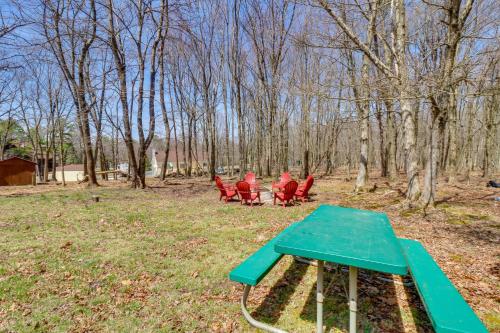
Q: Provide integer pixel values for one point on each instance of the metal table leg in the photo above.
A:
(250, 319)
(319, 298)
(353, 297)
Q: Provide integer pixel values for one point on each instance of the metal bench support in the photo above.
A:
(250, 319)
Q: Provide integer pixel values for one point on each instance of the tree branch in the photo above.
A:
(348, 31)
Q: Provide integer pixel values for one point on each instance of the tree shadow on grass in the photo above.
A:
(472, 228)
(463, 200)
(484, 233)
(378, 309)
(276, 300)
(254, 204)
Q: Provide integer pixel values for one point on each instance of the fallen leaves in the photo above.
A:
(66, 245)
(156, 267)
(227, 326)
(126, 283)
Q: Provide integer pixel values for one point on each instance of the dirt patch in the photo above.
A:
(181, 188)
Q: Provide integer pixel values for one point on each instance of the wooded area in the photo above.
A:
(377, 87)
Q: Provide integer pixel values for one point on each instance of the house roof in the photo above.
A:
(17, 158)
(71, 167)
(160, 155)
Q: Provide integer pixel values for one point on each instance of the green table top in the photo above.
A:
(346, 236)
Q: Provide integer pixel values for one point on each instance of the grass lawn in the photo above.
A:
(157, 260)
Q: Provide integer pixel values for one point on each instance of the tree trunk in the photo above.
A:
(452, 125)
(184, 146)
(431, 167)
(390, 148)
(226, 120)
(163, 107)
(46, 166)
(413, 191)
(490, 112)
(382, 145)
(189, 165)
(305, 140)
(119, 58)
(284, 154)
(362, 102)
(241, 130)
(468, 139)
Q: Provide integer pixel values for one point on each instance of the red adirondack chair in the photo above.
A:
(251, 179)
(287, 193)
(226, 191)
(285, 178)
(303, 190)
(245, 193)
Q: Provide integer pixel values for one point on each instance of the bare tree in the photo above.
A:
(141, 13)
(70, 30)
(399, 76)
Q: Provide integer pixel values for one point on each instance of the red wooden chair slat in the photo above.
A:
(245, 192)
(287, 194)
(284, 179)
(303, 190)
(226, 191)
(251, 179)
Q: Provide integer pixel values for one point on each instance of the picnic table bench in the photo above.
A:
(251, 271)
(446, 308)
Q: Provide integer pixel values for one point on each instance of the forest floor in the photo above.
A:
(158, 259)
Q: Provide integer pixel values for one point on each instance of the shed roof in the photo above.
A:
(17, 158)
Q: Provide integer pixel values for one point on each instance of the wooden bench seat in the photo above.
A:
(446, 308)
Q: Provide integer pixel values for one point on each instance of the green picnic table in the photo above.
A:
(359, 239)
(347, 236)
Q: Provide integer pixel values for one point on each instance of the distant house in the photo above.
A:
(158, 158)
(72, 173)
(123, 167)
(17, 171)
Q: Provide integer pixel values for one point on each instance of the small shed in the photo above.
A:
(17, 171)
(72, 172)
